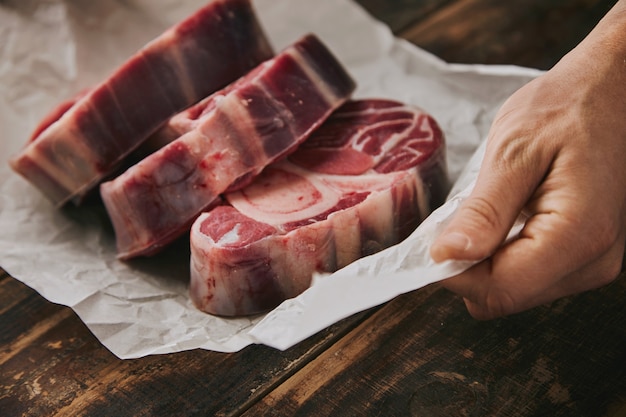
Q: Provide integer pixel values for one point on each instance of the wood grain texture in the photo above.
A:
(423, 355)
(401, 15)
(50, 364)
(521, 32)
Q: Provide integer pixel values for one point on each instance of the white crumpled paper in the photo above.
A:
(50, 49)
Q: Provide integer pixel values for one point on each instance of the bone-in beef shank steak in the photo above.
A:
(362, 182)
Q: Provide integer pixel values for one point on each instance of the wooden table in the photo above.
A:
(418, 355)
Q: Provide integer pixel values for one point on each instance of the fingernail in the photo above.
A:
(455, 240)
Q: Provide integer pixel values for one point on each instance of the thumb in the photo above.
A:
(504, 185)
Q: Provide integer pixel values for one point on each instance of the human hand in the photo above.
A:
(557, 149)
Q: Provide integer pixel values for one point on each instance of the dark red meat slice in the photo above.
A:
(226, 140)
(84, 140)
(362, 182)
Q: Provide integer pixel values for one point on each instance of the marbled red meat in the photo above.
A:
(225, 140)
(362, 182)
(83, 140)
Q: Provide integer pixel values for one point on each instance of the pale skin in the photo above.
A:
(556, 149)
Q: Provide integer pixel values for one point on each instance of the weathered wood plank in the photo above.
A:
(50, 364)
(422, 354)
(522, 32)
(402, 14)
(10, 292)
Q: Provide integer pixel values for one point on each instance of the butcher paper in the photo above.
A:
(50, 49)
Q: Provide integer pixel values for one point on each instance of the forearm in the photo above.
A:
(593, 74)
(610, 31)
(607, 41)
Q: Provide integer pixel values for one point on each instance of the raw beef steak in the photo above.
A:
(226, 140)
(83, 140)
(362, 182)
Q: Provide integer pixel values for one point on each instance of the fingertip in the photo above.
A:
(451, 245)
(479, 312)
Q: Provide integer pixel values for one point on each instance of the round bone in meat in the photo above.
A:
(362, 182)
